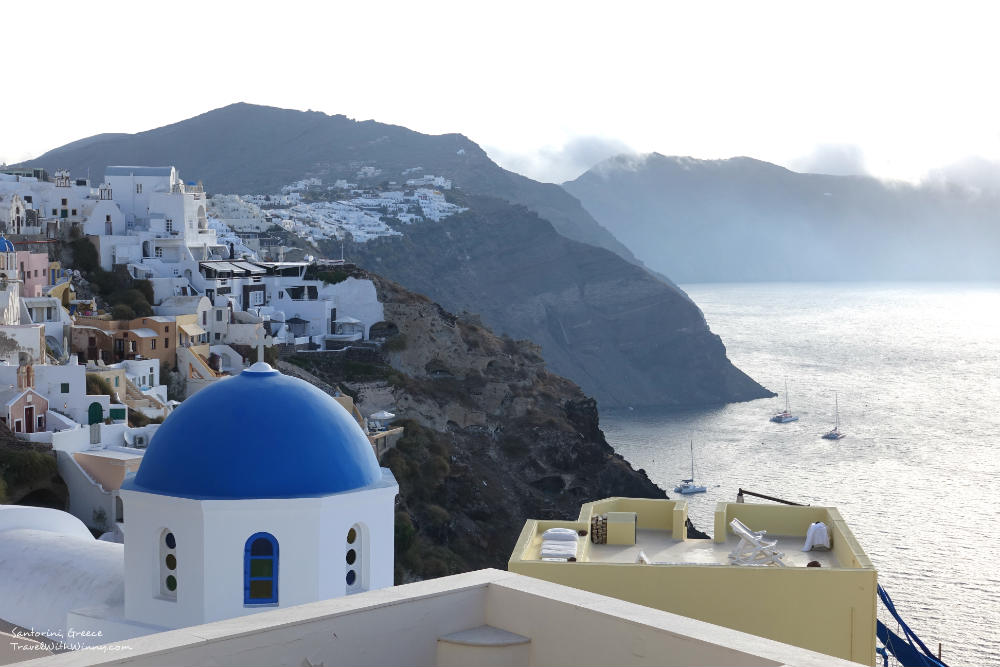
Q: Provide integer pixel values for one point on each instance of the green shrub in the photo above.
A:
(135, 299)
(97, 385)
(24, 467)
(405, 532)
(145, 288)
(437, 515)
(107, 282)
(122, 312)
(85, 257)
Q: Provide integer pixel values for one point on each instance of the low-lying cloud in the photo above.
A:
(550, 164)
(833, 159)
(975, 173)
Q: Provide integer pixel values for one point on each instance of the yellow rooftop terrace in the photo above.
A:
(766, 588)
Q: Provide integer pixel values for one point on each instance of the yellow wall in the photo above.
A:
(109, 473)
(64, 292)
(110, 374)
(829, 610)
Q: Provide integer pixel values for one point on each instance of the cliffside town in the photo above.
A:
(475, 428)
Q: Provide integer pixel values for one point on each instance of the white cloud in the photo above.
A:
(556, 165)
(835, 159)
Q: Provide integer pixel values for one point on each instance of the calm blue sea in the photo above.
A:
(916, 368)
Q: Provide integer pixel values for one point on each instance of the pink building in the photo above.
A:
(34, 272)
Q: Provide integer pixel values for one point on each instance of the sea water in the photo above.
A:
(916, 369)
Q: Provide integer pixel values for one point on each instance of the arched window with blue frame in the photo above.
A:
(260, 569)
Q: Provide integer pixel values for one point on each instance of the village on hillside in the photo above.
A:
(209, 297)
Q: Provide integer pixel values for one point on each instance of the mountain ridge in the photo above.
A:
(250, 148)
(743, 219)
(295, 143)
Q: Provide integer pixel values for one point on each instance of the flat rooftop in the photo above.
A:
(114, 454)
(658, 538)
(829, 609)
(660, 547)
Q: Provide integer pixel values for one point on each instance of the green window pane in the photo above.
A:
(171, 583)
(261, 567)
(260, 590)
(64, 387)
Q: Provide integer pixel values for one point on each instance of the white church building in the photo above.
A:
(258, 492)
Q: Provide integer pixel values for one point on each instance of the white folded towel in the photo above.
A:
(558, 549)
(565, 534)
(817, 537)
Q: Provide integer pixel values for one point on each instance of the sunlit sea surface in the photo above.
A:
(916, 368)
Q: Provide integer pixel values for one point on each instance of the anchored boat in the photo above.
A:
(687, 486)
(786, 416)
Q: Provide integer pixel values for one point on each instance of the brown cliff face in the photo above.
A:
(621, 333)
(492, 439)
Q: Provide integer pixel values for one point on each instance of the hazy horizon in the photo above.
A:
(893, 90)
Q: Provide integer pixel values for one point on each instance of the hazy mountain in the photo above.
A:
(746, 220)
(623, 334)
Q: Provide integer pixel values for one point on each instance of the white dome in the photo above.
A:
(13, 517)
(47, 574)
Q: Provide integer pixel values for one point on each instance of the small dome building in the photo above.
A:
(259, 491)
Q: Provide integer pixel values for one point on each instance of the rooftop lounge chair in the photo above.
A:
(753, 548)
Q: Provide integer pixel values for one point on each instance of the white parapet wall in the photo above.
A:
(547, 624)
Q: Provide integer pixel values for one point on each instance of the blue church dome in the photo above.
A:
(259, 434)
(6, 245)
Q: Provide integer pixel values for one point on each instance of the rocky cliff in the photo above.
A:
(623, 335)
(492, 437)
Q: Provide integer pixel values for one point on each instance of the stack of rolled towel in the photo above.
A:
(559, 544)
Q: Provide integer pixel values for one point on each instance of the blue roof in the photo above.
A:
(6, 245)
(259, 434)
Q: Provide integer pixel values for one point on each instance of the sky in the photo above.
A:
(895, 90)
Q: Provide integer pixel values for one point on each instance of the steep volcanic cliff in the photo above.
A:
(625, 336)
(492, 437)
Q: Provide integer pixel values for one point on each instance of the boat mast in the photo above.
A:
(836, 404)
(786, 395)
(692, 460)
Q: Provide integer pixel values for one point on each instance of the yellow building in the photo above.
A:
(648, 560)
(114, 376)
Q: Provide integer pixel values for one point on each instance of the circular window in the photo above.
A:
(171, 583)
(351, 557)
(171, 542)
(352, 576)
(351, 536)
(171, 562)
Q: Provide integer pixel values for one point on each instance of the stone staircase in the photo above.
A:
(136, 399)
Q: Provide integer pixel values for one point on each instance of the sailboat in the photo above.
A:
(687, 486)
(835, 434)
(786, 416)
